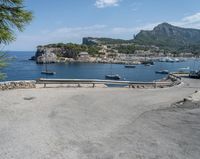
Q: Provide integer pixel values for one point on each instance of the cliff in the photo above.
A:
(50, 53)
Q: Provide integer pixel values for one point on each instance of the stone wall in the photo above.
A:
(17, 85)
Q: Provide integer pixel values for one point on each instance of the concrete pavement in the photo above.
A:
(102, 123)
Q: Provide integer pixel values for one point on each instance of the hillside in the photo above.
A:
(93, 41)
(171, 38)
(165, 36)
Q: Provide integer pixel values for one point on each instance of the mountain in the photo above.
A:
(173, 38)
(165, 36)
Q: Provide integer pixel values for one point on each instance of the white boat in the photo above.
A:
(185, 68)
(168, 59)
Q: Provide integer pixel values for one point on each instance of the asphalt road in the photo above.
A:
(100, 123)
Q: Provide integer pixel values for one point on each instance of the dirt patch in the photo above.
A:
(29, 98)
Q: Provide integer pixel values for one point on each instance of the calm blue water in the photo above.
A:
(23, 69)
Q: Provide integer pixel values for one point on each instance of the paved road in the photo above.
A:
(99, 123)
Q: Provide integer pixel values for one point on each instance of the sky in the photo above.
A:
(69, 20)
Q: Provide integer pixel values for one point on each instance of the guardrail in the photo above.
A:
(93, 82)
(171, 75)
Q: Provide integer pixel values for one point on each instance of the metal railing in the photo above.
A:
(174, 76)
(93, 82)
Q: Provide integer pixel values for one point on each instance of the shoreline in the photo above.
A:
(135, 60)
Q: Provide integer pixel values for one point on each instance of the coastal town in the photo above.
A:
(107, 53)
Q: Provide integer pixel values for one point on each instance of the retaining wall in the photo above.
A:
(17, 85)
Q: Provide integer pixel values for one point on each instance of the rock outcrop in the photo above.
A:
(45, 55)
(50, 53)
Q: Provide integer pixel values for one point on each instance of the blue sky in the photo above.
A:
(70, 20)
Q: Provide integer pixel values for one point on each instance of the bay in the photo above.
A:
(20, 68)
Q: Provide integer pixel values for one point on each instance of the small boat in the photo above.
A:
(113, 77)
(130, 66)
(162, 72)
(147, 63)
(185, 68)
(194, 74)
(48, 72)
(176, 60)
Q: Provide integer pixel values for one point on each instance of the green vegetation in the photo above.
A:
(106, 41)
(13, 17)
(75, 49)
(126, 49)
(113, 41)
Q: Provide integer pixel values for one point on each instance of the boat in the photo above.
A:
(147, 63)
(162, 72)
(194, 74)
(176, 60)
(129, 66)
(168, 59)
(48, 72)
(113, 77)
(184, 69)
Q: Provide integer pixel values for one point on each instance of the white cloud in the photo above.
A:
(132, 30)
(192, 21)
(106, 3)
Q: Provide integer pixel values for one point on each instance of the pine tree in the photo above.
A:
(13, 17)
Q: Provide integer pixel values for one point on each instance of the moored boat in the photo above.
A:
(113, 77)
(130, 66)
(185, 68)
(48, 72)
(162, 72)
(194, 74)
(147, 63)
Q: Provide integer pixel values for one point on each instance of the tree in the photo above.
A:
(13, 16)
